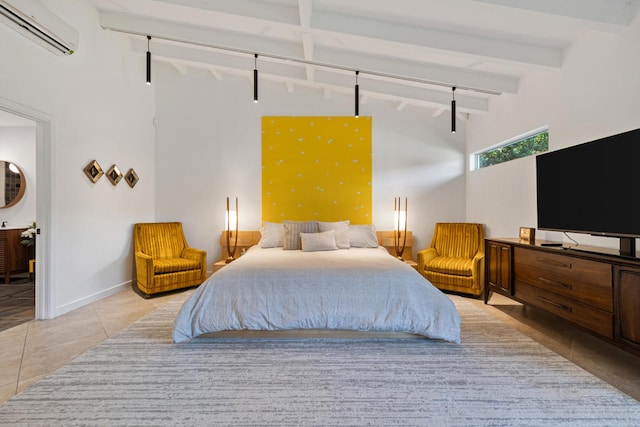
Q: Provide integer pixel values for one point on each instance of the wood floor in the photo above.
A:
(36, 348)
(17, 301)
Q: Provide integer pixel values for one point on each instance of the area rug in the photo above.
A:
(497, 376)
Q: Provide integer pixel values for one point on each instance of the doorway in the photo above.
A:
(44, 292)
(17, 212)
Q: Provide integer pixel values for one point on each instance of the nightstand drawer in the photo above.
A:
(596, 320)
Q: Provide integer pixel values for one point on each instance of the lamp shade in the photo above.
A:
(230, 219)
(399, 219)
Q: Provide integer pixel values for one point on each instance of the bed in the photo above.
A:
(356, 289)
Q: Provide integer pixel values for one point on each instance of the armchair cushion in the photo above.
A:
(171, 265)
(451, 265)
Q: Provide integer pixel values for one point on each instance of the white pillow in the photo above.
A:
(341, 228)
(363, 236)
(312, 242)
(272, 235)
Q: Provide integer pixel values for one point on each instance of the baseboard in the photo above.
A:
(91, 298)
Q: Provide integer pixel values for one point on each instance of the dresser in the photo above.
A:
(598, 292)
(14, 256)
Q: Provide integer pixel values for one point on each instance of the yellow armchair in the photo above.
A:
(164, 260)
(455, 260)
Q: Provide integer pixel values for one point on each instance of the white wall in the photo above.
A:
(101, 109)
(208, 147)
(18, 145)
(595, 94)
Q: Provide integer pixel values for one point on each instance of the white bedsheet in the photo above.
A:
(362, 289)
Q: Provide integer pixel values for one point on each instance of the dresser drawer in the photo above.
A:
(598, 321)
(589, 282)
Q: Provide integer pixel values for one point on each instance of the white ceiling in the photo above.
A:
(483, 47)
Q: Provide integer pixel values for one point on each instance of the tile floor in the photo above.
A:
(32, 350)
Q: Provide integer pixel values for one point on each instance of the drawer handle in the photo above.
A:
(555, 304)
(552, 262)
(553, 282)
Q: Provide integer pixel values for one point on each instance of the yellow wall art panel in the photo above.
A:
(316, 168)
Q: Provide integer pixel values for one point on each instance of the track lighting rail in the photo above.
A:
(305, 61)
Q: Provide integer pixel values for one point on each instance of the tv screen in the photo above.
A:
(591, 188)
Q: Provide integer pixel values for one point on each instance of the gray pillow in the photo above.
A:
(312, 242)
(292, 230)
(341, 229)
(363, 236)
(272, 235)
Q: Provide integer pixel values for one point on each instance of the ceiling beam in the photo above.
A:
(194, 35)
(215, 73)
(308, 48)
(275, 12)
(609, 12)
(305, 10)
(452, 76)
(439, 40)
(615, 11)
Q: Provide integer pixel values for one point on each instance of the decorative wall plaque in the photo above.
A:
(114, 175)
(93, 171)
(131, 177)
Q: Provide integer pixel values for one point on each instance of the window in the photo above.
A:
(534, 142)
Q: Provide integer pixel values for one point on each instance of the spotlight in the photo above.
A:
(357, 100)
(453, 110)
(148, 61)
(255, 79)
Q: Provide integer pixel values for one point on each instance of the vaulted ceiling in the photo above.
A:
(408, 52)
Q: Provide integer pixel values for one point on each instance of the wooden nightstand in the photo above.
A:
(412, 263)
(219, 264)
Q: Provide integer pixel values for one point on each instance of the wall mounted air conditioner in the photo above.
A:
(34, 21)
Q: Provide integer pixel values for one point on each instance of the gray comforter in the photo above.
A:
(362, 289)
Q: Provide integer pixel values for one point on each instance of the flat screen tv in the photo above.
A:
(592, 188)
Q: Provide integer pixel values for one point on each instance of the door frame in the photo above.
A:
(45, 125)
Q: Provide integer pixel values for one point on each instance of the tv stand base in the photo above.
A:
(598, 292)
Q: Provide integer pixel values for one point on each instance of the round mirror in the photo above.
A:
(12, 184)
